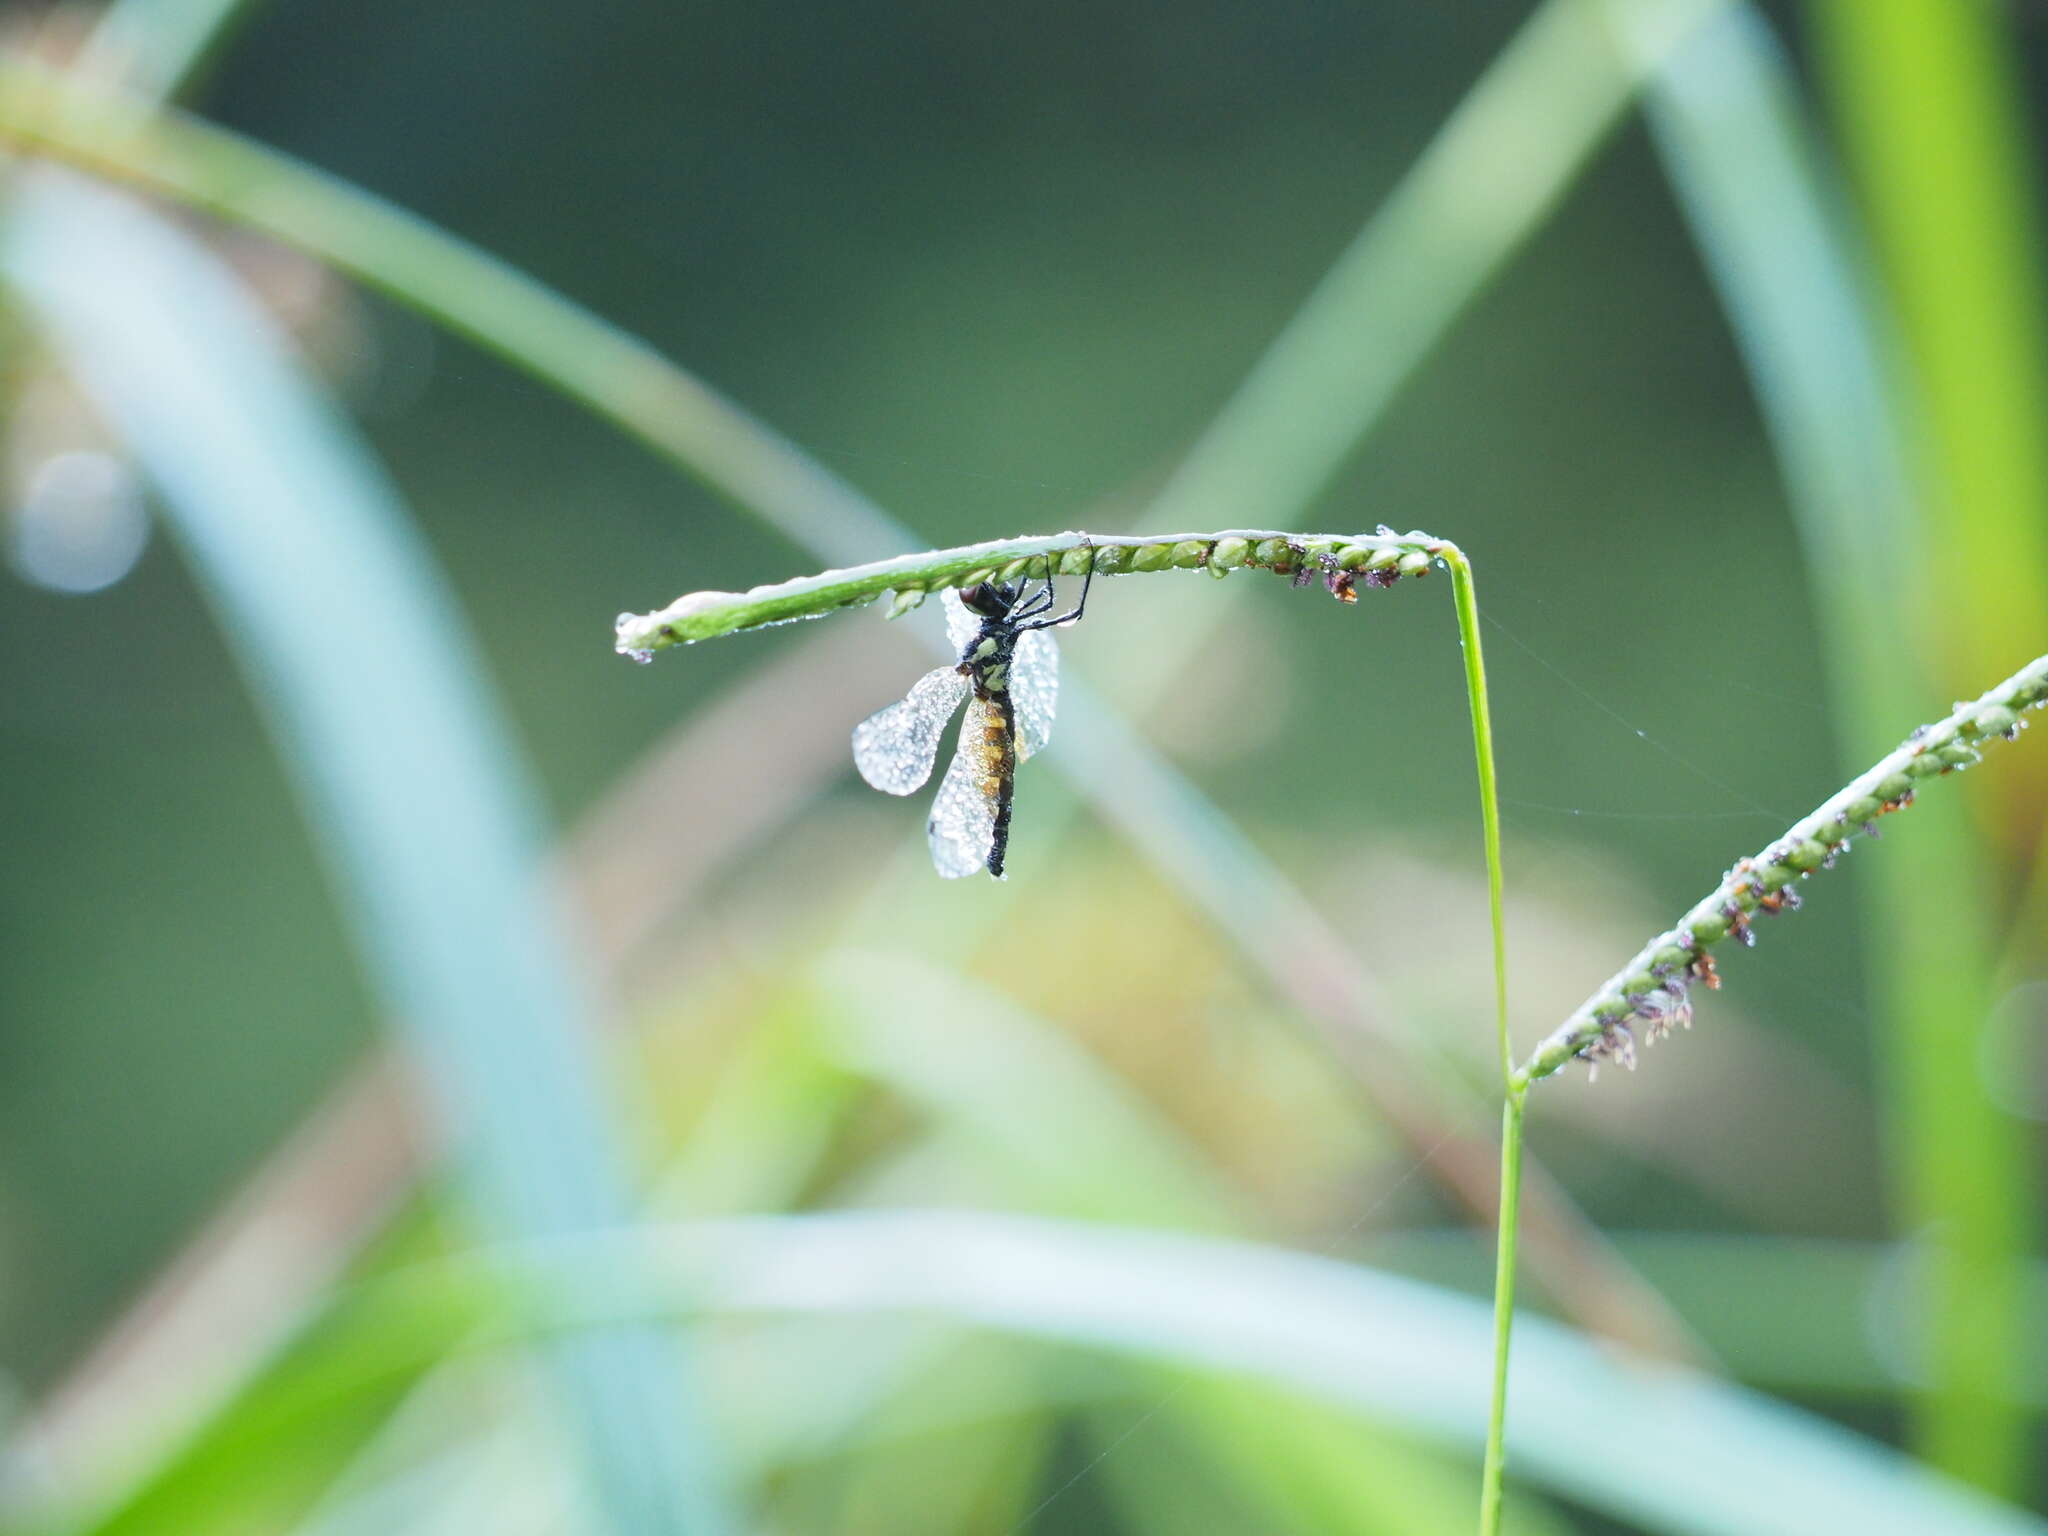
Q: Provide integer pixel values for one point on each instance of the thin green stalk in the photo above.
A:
(1494, 1478)
(1467, 596)
(1652, 989)
(1342, 561)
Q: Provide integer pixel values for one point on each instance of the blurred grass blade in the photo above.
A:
(1315, 1469)
(1661, 1448)
(1728, 122)
(155, 47)
(1929, 95)
(1813, 1318)
(1001, 1076)
(1726, 118)
(292, 1427)
(1487, 181)
(616, 375)
(1656, 1448)
(354, 650)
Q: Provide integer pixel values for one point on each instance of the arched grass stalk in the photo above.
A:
(1342, 563)
(1653, 989)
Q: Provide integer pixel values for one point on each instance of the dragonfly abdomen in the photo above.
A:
(997, 751)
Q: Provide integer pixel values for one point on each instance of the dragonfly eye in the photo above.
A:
(985, 598)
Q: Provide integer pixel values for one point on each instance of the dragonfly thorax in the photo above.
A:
(986, 658)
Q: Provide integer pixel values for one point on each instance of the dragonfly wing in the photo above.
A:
(894, 748)
(963, 824)
(961, 626)
(1034, 689)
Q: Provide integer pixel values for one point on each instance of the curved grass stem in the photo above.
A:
(1467, 595)
(1342, 562)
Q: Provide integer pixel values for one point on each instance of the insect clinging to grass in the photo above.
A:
(1008, 672)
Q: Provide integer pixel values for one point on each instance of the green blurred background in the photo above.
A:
(998, 268)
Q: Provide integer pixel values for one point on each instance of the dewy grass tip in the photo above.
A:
(1341, 562)
(1653, 991)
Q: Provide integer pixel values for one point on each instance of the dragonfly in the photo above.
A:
(1009, 674)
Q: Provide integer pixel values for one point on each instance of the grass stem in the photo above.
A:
(1493, 1480)
(1341, 562)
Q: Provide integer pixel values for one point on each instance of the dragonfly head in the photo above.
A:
(990, 599)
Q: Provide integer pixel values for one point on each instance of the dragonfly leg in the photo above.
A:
(1034, 605)
(1070, 616)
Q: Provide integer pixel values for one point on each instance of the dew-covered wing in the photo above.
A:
(963, 824)
(894, 748)
(961, 625)
(1034, 689)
